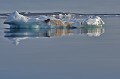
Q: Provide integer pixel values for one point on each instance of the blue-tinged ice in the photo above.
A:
(43, 21)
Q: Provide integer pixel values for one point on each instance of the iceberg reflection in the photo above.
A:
(92, 30)
(16, 35)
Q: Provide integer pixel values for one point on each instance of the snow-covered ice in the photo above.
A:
(93, 21)
(43, 21)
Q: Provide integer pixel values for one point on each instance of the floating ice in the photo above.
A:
(41, 22)
(64, 21)
(93, 21)
(16, 18)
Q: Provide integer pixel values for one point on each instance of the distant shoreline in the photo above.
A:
(56, 13)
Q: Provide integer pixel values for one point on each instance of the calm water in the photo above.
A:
(61, 53)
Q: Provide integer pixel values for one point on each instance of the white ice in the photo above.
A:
(68, 21)
(93, 21)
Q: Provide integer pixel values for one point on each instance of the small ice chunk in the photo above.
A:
(93, 21)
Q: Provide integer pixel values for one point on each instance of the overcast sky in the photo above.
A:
(79, 6)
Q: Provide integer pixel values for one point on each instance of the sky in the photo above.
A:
(77, 6)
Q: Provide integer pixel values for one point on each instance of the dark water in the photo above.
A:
(61, 53)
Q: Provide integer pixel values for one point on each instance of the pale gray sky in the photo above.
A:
(80, 6)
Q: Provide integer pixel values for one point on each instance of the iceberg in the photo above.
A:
(16, 20)
(93, 21)
(30, 22)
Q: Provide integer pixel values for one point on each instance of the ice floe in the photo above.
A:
(96, 20)
(43, 21)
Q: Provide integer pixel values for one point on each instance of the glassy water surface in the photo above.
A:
(84, 53)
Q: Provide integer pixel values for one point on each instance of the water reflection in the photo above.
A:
(92, 30)
(16, 35)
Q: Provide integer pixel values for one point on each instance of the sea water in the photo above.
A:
(61, 53)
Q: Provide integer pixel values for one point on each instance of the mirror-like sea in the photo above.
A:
(84, 53)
